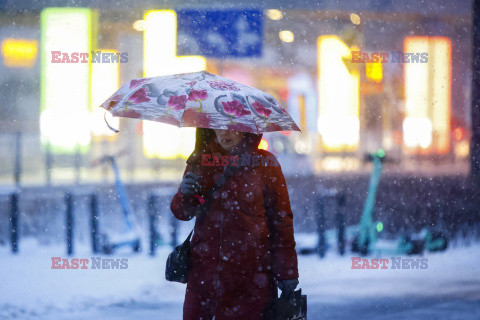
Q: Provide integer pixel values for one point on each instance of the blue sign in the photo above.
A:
(220, 33)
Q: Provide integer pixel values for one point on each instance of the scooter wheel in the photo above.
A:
(136, 246)
(417, 247)
(105, 244)
(363, 250)
(107, 249)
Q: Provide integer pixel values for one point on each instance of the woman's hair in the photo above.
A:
(203, 136)
(203, 139)
(205, 144)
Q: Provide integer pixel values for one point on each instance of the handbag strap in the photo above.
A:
(208, 197)
(218, 184)
(188, 238)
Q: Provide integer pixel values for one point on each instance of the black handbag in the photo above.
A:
(288, 308)
(179, 260)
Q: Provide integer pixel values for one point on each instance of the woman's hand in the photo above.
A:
(288, 286)
(190, 184)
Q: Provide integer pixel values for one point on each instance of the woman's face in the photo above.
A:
(228, 139)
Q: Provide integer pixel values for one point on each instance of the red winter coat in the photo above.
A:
(242, 244)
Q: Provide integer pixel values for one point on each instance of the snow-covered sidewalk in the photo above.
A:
(31, 289)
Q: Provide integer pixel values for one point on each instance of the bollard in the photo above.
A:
(94, 222)
(69, 222)
(18, 158)
(152, 216)
(48, 164)
(77, 162)
(14, 222)
(320, 208)
(156, 203)
(340, 219)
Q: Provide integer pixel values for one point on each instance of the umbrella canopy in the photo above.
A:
(202, 100)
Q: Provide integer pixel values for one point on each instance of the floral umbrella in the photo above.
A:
(200, 99)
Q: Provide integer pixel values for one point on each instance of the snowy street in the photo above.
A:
(448, 289)
(327, 146)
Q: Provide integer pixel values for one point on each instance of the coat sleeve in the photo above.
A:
(184, 207)
(280, 220)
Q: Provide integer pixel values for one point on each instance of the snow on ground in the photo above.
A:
(29, 289)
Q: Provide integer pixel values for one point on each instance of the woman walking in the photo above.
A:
(243, 246)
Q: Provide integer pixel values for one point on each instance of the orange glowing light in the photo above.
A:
(397, 137)
(263, 144)
(374, 71)
(159, 59)
(458, 134)
(139, 128)
(339, 96)
(19, 53)
(428, 94)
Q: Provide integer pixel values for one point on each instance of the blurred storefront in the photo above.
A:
(323, 62)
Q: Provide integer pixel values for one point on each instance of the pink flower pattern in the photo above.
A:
(273, 127)
(129, 101)
(193, 118)
(129, 114)
(197, 95)
(168, 119)
(113, 101)
(261, 109)
(223, 85)
(177, 102)
(241, 127)
(235, 108)
(136, 82)
(139, 96)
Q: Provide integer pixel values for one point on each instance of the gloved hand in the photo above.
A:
(190, 184)
(288, 286)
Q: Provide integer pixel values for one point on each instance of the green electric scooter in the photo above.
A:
(364, 236)
(365, 239)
